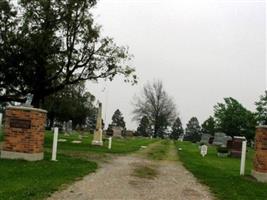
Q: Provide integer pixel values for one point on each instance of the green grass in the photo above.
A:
(21, 180)
(145, 171)
(222, 174)
(159, 151)
(119, 146)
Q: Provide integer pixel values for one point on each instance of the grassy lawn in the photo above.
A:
(21, 180)
(119, 146)
(222, 174)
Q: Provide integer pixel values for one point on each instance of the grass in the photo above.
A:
(159, 151)
(222, 174)
(119, 146)
(37, 180)
(145, 171)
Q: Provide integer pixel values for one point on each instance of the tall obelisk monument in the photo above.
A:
(98, 132)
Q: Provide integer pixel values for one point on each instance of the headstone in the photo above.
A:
(64, 127)
(204, 150)
(69, 126)
(28, 102)
(24, 133)
(76, 142)
(205, 139)
(260, 160)
(117, 131)
(219, 139)
(98, 132)
(236, 146)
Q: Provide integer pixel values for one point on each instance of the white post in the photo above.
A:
(54, 150)
(1, 119)
(109, 142)
(243, 158)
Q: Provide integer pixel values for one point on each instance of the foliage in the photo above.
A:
(221, 175)
(193, 130)
(262, 109)
(144, 128)
(73, 103)
(118, 120)
(23, 180)
(235, 120)
(208, 126)
(177, 129)
(157, 106)
(48, 45)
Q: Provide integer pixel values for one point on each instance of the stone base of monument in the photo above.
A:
(261, 177)
(23, 156)
(97, 143)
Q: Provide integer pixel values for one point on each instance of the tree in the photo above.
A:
(50, 44)
(177, 129)
(144, 127)
(208, 126)
(73, 103)
(234, 119)
(193, 130)
(157, 106)
(261, 114)
(118, 120)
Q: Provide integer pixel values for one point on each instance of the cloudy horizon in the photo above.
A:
(202, 51)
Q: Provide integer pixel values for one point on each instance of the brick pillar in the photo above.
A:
(260, 159)
(24, 133)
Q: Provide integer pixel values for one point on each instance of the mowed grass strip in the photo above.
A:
(21, 180)
(159, 150)
(145, 171)
(119, 146)
(222, 174)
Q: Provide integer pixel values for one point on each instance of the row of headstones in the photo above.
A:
(222, 140)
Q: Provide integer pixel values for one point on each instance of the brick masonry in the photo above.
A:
(24, 130)
(260, 160)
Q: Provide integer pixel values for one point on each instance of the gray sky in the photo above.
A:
(202, 50)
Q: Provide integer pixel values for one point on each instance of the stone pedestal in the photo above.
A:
(260, 160)
(98, 132)
(24, 133)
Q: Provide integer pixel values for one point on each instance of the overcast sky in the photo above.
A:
(202, 50)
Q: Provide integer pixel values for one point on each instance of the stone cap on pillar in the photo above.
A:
(262, 126)
(26, 108)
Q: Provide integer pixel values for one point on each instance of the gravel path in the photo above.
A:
(116, 180)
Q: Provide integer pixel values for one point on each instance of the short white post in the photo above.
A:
(1, 119)
(109, 142)
(243, 158)
(54, 150)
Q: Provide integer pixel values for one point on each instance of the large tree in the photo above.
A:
(262, 109)
(157, 106)
(234, 119)
(46, 45)
(73, 103)
(193, 130)
(118, 120)
(208, 126)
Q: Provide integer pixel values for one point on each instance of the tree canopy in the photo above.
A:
(193, 130)
(262, 109)
(144, 127)
(234, 119)
(208, 126)
(157, 106)
(46, 45)
(177, 129)
(118, 120)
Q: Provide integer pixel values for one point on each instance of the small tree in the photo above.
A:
(193, 130)
(234, 119)
(177, 129)
(261, 114)
(208, 126)
(144, 127)
(117, 119)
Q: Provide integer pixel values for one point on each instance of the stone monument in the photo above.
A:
(98, 132)
(260, 159)
(24, 133)
(205, 139)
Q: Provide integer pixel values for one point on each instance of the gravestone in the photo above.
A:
(219, 139)
(98, 141)
(24, 133)
(205, 139)
(260, 160)
(236, 146)
(204, 150)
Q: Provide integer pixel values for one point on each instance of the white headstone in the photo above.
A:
(204, 150)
